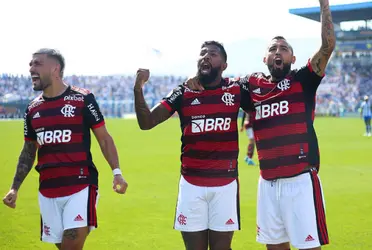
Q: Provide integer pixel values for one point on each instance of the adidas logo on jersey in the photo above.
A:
(37, 115)
(257, 91)
(195, 102)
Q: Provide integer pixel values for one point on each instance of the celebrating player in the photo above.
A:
(247, 121)
(366, 113)
(208, 200)
(57, 126)
(290, 200)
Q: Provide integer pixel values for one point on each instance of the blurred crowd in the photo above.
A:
(348, 78)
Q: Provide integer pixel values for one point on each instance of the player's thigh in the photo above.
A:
(304, 213)
(74, 238)
(282, 246)
(51, 219)
(220, 240)
(80, 209)
(270, 226)
(192, 208)
(195, 240)
(224, 207)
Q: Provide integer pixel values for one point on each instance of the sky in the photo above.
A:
(117, 36)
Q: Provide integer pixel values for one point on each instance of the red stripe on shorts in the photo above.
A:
(92, 200)
(319, 209)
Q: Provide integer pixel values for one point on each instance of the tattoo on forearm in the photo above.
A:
(25, 163)
(70, 234)
(328, 36)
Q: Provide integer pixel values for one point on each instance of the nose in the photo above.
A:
(31, 69)
(207, 57)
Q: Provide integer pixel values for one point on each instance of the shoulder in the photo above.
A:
(257, 77)
(35, 102)
(81, 91)
(77, 94)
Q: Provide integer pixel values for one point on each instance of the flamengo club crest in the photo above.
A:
(228, 99)
(284, 84)
(68, 110)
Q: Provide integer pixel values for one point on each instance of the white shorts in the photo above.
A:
(250, 133)
(73, 211)
(292, 210)
(201, 208)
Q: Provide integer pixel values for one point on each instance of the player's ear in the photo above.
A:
(293, 59)
(224, 66)
(56, 69)
(264, 60)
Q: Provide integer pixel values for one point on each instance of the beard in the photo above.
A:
(206, 79)
(279, 73)
(41, 84)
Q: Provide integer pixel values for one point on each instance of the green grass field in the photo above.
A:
(143, 218)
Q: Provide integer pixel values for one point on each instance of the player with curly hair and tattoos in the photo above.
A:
(57, 127)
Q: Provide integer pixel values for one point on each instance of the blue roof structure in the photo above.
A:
(340, 13)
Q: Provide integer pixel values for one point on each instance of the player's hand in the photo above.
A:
(119, 184)
(194, 84)
(142, 77)
(11, 198)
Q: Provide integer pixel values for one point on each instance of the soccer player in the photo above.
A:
(57, 126)
(247, 121)
(366, 113)
(290, 207)
(208, 200)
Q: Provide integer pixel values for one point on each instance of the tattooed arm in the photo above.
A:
(25, 163)
(320, 59)
(147, 119)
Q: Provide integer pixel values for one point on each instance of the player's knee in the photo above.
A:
(74, 238)
(282, 246)
(220, 240)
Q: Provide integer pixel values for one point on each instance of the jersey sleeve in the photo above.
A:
(92, 114)
(29, 132)
(173, 100)
(309, 80)
(246, 102)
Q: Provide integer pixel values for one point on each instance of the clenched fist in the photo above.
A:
(142, 77)
(10, 198)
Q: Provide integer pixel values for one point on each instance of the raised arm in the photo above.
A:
(147, 119)
(320, 59)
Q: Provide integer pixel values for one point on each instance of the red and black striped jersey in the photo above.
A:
(209, 131)
(283, 118)
(61, 128)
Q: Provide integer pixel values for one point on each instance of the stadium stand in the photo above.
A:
(348, 76)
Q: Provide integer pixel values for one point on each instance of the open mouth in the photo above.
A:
(35, 78)
(278, 61)
(205, 68)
